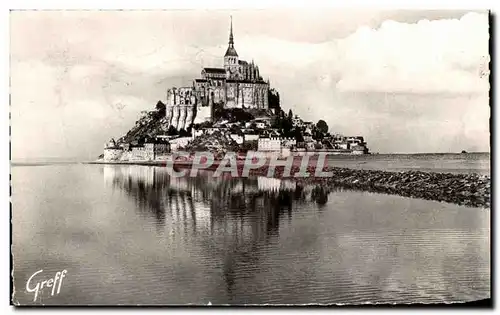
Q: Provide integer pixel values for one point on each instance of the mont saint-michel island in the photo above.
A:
(234, 110)
(231, 108)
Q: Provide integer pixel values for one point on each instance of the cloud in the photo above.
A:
(441, 56)
(70, 111)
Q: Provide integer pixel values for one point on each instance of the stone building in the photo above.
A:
(236, 85)
(269, 144)
(112, 152)
(180, 107)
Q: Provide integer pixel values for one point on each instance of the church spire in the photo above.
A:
(231, 38)
(231, 52)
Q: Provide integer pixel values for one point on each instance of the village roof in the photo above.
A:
(136, 146)
(157, 141)
(262, 118)
(114, 147)
(246, 81)
(215, 70)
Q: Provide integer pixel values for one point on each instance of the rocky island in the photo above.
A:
(233, 102)
(233, 109)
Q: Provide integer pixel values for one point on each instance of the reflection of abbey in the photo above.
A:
(212, 204)
(237, 85)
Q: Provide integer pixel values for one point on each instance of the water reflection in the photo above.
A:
(241, 215)
(261, 201)
(233, 226)
(144, 238)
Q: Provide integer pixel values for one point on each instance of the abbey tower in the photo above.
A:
(237, 85)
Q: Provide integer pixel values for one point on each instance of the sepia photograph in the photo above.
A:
(250, 157)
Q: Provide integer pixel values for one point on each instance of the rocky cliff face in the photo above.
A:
(150, 125)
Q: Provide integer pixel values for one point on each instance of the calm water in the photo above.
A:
(446, 163)
(132, 235)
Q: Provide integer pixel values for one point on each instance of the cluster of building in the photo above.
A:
(268, 139)
(151, 149)
(256, 134)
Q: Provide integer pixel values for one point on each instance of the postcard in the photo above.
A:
(281, 156)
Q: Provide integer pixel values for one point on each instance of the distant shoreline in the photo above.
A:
(77, 160)
(332, 156)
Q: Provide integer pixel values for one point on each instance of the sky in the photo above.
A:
(408, 81)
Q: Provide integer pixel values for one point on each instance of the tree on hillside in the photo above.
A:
(280, 114)
(161, 108)
(184, 133)
(284, 125)
(322, 126)
(172, 131)
(317, 134)
(290, 114)
(141, 140)
(219, 112)
(298, 135)
(273, 98)
(239, 115)
(234, 129)
(249, 146)
(232, 114)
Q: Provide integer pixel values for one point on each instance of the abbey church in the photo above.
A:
(237, 85)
